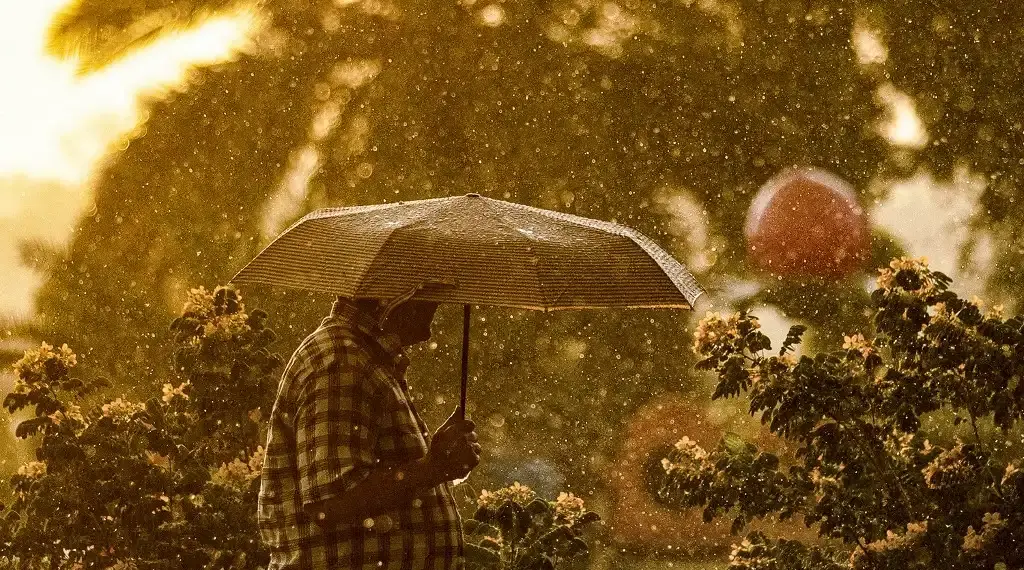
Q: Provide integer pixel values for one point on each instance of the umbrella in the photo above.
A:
(481, 251)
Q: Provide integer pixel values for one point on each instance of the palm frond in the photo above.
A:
(99, 32)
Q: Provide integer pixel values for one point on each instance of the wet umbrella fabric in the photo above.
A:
(480, 251)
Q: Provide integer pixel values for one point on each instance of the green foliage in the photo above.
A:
(166, 484)
(884, 478)
(514, 530)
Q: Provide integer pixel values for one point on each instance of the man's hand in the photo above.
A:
(454, 450)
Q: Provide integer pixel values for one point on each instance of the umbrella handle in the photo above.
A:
(465, 360)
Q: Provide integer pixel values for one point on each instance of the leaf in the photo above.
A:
(484, 515)
(793, 338)
(708, 363)
(30, 427)
(576, 548)
(538, 506)
(14, 401)
(757, 341)
(482, 556)
(733, 443)
(559, 534)
(507, 518)
(737, 524)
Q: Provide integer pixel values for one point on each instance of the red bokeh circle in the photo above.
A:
(638, 520)
(807, 222)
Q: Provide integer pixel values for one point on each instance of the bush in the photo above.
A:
(169, 483)
(513, 529)
(172, 482)
(906, 454)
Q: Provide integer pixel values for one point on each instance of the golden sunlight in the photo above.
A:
(55, 126)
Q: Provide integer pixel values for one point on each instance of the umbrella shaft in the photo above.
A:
(465, 359)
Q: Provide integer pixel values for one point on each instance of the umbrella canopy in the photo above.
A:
(484, 251)
(489, 251)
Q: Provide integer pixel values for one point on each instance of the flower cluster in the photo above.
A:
(72, 413)
(170, 392)
(32, 469)
(905, 543)
(747, 554)
(859, 343)
(33, 362)
(569, 508)
(903, 445)
(198, 303)
(239, 474)
(686, 455)
(227, 326)
(715, 329)
(918, 278)
(515, 492)
(949, 469)
(121, 410)
(992, 523)
(220, 312)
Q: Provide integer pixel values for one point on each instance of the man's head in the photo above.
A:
(411, 321)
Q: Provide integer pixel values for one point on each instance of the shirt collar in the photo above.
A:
(368, 323)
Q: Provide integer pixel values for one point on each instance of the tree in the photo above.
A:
(166, 483)
(907, 445)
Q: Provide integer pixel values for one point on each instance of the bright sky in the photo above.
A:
(55, 126)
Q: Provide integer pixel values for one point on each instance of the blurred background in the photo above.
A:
(781, 149)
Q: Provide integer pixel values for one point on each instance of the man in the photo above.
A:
(352, 478)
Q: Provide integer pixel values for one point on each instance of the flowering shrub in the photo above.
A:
(907, 444)
(168, 483)
(514, 530)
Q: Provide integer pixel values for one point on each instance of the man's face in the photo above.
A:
(411, 321)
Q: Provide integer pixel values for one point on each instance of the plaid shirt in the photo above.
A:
(343, 409)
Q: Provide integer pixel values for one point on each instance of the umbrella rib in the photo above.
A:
(676, 273)
(384, 242)
(541, 290)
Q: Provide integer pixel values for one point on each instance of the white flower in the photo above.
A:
(239, 474)
(886, 277)
(569, 508)
(715, 328)
(198, 302)
(121, 410)
(516, 492)
(72, 413)
(33, 469)
(170, 392)
(34, 361)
